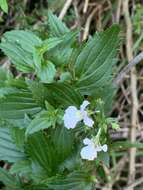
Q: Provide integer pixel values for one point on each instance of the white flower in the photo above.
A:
(89, 152)
(72, 116)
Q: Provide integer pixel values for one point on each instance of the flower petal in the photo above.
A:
(88, 153)
(69, 122)
(84, 105)
(71, 110)
(71, 118)
(87, 141)
(105, 147)
(88, 121)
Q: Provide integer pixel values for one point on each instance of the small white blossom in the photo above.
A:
(89, 152)
(72, 116)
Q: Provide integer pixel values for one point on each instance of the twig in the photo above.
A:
(136, 183)
(65, 8)
(78, 20)
(85, 6)
(118, 12)
(115, 173)
(127, 68)
(87, 25)
(134, 116)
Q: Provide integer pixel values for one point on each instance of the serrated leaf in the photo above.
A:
(18, 136)
(43, 120)
(105, 93)
(47, 72)
(25, 39)
(15, 106)
(22, 168)
(57, 27)
(18, 83)
(71, 163)
(39, 92)
(9, 181)
(4, 75)
(7, 90)
(40, 151)
(61, 54)
(64, 94)
(8, 150)
(66, 76)
(45, 46)
(49, 44)
(52, 149)
(19, 45)
(93, 66)
(76, 180)
(4, 5)
(63, 143)
(104, 158)
(19, 57)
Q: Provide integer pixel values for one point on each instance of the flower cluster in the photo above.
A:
(89, 152)
(72, 117)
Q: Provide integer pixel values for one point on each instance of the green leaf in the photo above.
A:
(36, 187)
(94, 64)
(19, 45)
(43, 120)
(105, 93)
(39, 51)
(47, 72)
(18, 136)
(76, 180)
(63, 143)
(15, 106)
(66, 76)
(72, 163)
(9, 181)
(4, 75)
(49, 44)
(39, 92)
(64, 94)
(18, 83)
(22, 167)
(53, 149)
(57, 27)
(40, 151)
(5, 123)
(4, 5)
(25, 39)
(8, 150)
(7, 91)
(104, 158)
(61, 54)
